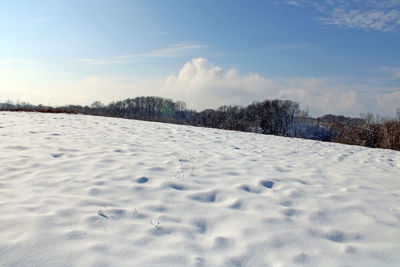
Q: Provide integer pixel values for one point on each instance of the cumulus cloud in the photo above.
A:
(204, 85)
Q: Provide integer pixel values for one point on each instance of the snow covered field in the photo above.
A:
(90, 191)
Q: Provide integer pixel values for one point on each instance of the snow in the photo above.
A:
(91, 191)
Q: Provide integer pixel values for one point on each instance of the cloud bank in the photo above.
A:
(203, 85)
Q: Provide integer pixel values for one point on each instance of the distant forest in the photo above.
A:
(275, 117)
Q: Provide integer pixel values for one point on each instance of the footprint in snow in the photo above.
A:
(249, 189)
(142, 180)
(290, 212)
(177, 187)
(336, 236)
(205, 197)
(237, 205)
(57, 155)
(101, 213)
(201, 225)
(222, 243)
(76, 235)
(267, 184)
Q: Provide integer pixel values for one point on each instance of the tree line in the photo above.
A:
(275, 117)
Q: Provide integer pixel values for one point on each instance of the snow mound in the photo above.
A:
(90, 191)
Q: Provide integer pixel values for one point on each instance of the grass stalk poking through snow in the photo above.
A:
(193, 158)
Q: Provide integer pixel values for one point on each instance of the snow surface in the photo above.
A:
(90, 191)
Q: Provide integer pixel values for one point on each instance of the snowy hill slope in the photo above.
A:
(90, 191)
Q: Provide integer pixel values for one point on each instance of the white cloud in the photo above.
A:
(203, 85)
(394, 71)
(324, 95)
(388, 103)
(293, 3)
(383, 15)
(175, 51)
(397, 73)
(379, 20)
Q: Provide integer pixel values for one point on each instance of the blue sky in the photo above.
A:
(338, 57)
